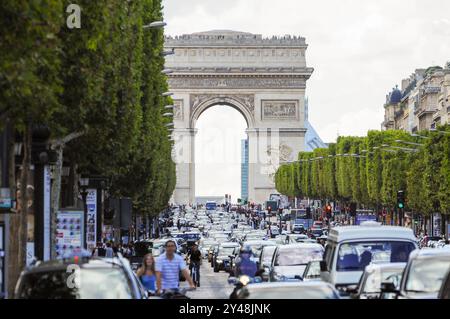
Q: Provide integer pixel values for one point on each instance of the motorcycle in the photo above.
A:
(240, 282)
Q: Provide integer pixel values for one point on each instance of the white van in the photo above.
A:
(350, 249)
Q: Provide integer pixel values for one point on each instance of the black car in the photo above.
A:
(444, 293)
(222, 260)
(80, 278)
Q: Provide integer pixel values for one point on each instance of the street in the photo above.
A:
(212, 285)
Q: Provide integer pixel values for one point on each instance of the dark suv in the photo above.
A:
(80, 278)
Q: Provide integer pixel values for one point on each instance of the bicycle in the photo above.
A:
(195, 273)
(176, 293)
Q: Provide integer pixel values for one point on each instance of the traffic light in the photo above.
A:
(328, 211)
(401, 199)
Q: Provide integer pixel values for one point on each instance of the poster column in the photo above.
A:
(47, 188)
(91, 231)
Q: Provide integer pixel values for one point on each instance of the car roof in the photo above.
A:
(385, 266)
(285, 284)
(425, 253)
(372, 231)
(229, 244)
(301, 245)
(86, 263)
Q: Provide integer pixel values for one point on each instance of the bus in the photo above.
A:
(211, 205)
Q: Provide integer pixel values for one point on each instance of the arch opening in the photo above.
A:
(221, 128)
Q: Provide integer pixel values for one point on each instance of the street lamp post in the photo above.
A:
(156, 24)
(83, 184)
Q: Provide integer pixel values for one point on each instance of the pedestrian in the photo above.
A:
(99, 250)
(195, 260)
(146, 273)
(168, 267)
(109, 252)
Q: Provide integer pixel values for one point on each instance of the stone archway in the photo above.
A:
(264, 79)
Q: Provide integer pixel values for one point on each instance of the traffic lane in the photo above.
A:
(212, 285)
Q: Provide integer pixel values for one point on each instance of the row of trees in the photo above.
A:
(101, 83)
(370, 170)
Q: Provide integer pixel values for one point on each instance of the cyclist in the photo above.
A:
(168, 267)
(195, 260)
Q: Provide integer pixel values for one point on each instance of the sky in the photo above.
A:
(218, 152)
(359, 49)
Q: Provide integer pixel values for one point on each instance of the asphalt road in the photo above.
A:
(212, 285)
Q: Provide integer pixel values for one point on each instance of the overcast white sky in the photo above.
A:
(359, 48)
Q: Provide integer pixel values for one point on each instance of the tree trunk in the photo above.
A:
(55, 194)
(19, 220)
(13, 267)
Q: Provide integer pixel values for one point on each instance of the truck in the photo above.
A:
(300, 216)
(273, 204)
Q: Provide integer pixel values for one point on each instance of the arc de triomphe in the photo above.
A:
(263, 78)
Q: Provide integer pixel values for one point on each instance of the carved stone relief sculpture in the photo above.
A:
(280, 110)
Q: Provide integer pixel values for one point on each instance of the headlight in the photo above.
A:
(244, 280)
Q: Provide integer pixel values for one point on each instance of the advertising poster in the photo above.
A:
(437, 224)
(47, 188)
(91, 232)
(70, 227)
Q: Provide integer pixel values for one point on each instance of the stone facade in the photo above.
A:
(423, 103)
(263, 78)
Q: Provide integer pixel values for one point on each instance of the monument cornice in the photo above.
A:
(221, 38)
(241, 71)
(237, 81)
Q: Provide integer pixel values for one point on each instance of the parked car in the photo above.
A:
(350, 249)
(290, 261)
(90, 278)
(369, 287)
(423, 275)
(288, 290)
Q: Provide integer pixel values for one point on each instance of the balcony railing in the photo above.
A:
(432, 89)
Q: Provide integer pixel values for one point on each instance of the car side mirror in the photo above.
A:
(388, 287)
(323, 265)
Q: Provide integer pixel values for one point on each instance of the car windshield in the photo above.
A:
(356, 256)
(291, 293)
(374, 279)
(104, 283)
(298, 256)
(427, 275)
